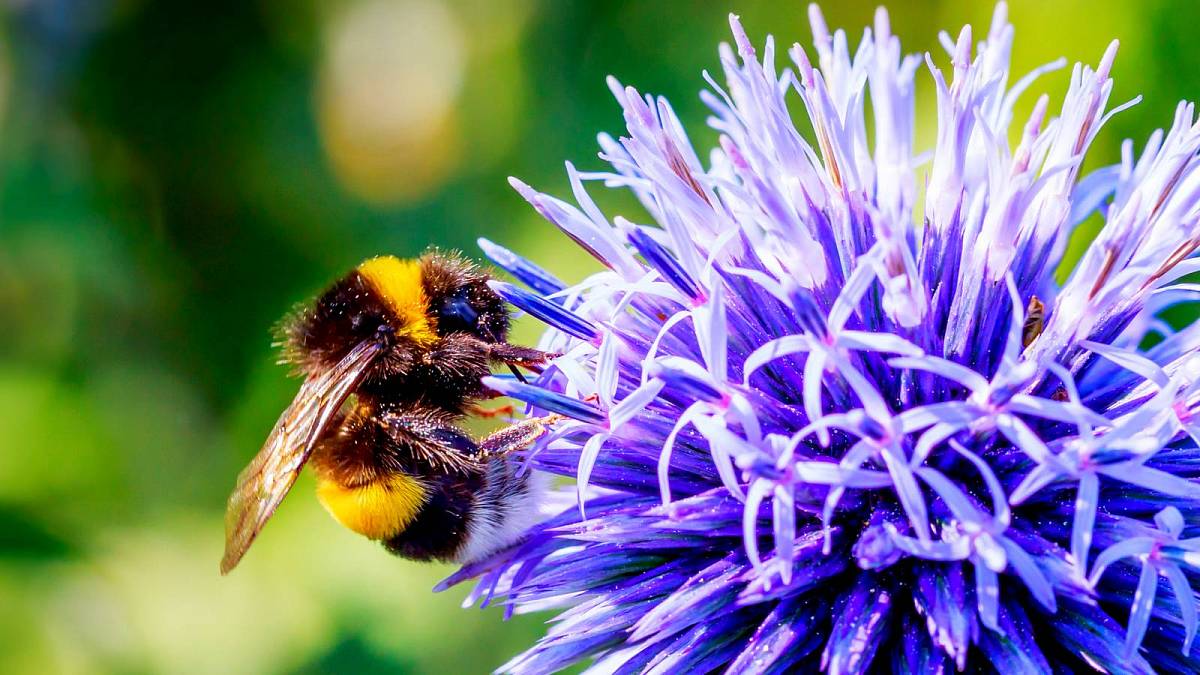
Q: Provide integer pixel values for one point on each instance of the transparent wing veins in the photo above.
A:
(263, 484)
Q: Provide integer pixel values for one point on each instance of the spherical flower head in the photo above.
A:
(827, 407)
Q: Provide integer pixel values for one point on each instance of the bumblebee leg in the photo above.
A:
(507, 410)
(516, 436)
(516, 355)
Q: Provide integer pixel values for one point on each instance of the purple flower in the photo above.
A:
(829, 409)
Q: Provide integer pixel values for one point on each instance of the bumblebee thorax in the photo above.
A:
(399, 287)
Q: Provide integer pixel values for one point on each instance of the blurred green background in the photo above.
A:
(174, 176)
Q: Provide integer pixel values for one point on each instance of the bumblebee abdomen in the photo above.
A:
(442, 526)
(380, 509)
(507, 506)
(466, 518)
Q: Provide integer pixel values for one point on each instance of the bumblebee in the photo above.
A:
(392, 355)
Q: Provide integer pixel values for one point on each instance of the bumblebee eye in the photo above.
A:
(457, 315)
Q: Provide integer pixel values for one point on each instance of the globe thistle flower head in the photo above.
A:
(827, 407)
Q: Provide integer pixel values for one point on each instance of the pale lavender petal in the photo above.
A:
(627, 408)
(1135, 363)
(1024, 438)
(713, 334)
(664, 457)
(1091, 191)
(587, 460)
(1036, 480)
(606, 369)
(784, 521)
(775, 349)
(1150, 478)
(1000, 508)
(825, 473)
(947, 369)
(1086, 502)
(1170, 520)
(955, 499)
(856, 287)
(1143, 603)
(1127, 548)
(932, 438)
(1186, 598)
(592, 237)
(1035, 580)
(877, 342)
(814, 372)
(758, 491)
(909, 493)
(987, 593)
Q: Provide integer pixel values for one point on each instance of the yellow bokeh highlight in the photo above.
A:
(390, 73)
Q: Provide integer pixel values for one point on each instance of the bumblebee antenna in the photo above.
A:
(517, 373)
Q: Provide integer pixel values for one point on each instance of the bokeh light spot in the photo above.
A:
(390, 75)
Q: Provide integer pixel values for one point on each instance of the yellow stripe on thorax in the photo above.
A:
(377, 510)
(398, 284)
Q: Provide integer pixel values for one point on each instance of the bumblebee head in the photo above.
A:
(459, 299)
(382, 300)
(404, 305)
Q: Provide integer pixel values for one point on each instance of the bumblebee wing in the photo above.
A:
(264, 483)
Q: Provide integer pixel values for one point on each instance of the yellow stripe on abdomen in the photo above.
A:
(398, 283)
(377, 510)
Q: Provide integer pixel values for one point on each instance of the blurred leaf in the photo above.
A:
(24, 538)
(352, 656)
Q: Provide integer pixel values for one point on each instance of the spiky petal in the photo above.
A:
(823, 420)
